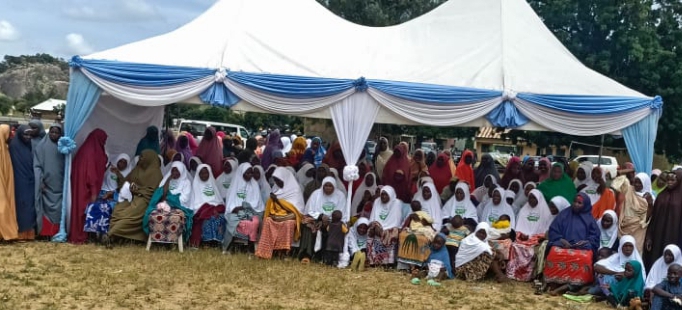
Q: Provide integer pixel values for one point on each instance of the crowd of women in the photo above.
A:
(570, 229)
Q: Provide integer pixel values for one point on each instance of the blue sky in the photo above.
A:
(68, 27)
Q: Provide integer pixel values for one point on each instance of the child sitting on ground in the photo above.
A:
(437, 267)
(629, 286)
(336, 235)
(455, 232)
(668, 293)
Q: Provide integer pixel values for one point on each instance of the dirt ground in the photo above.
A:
(44, 275)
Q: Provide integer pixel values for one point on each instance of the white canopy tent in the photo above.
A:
(466, 63)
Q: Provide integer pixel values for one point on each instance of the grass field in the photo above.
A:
(61, 276)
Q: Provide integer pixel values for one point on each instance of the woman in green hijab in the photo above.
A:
(558, 184)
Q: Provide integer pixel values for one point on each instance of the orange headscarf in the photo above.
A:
(465, 172)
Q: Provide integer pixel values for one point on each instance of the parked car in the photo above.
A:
(608, 163)
(197, 128)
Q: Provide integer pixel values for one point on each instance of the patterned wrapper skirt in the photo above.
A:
(213, 229)
(382, 250)
(521, 262)
(476, 269)
(275, 236)
(568, 266)
(166, 227)
(414, 248)
(97, 216)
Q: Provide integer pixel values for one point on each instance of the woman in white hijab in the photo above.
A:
(317, 213)
(475, 256)
(286, 142)
(225, 179)
(460, 204)
(608, 226)
(496, 207)
(583, 176)
(305, 175)
(431, 204)
(482, 193)
(642, 185)
(356, 243)
(615, 264)
(282, 217)
(384, 226)
(522, 196)
(516, 187)
(208, 207)
(659, 271)
(259, 176)
(168, 216)
(96, 216)
(369, 184)
(243, 207)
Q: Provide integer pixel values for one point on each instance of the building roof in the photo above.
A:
(491, 133)
(48, 105)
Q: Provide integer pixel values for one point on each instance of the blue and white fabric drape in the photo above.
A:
(353, 102)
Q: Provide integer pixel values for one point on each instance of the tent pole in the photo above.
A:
(601, 151)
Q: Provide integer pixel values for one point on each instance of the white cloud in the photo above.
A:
(8, 32)
(77, 44)
(126, 10)
(139, 9)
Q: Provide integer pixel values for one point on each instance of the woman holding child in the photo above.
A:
(384, 228)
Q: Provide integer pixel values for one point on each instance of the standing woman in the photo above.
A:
(543, 169)
(398, 161)
(528, 173)
(484, 169)
(513, 171)
(182, 147)
(87, 175)
(126, 220)
(208, 207)
(464, 171)
(558, 184)
(417, 166)
(273, 145)
(24, 182)
(8, 212)
(297, 151)
(243, 208)
(48, 164)
(334, 157)
(440, 172)
(385, 222)
(282, 217)
(633, 215)
(37, 132)
(315, 153)
(382, 156)
(149, 142)
(666, 220)
(168, 146)
(211, 152)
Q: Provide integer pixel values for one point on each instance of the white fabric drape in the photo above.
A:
(579, 125)
(284, 105)
(435, 114)
(353, 120)
(152, 96)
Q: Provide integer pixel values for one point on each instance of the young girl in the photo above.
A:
(227, 176)
(243, 208)
(336, 234)
(356, 244)
(608, 226)
(208, 207)
(629, 286)
(437, 264)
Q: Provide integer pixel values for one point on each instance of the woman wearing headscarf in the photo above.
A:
(295, 155)
(417, 166)
(334, 157)
(657, 273)
(522, 195)
(558, 184)
(48, 165)
(208, 207)
(210, 152)
(228, 148)
(182, 147)
(398, 161)
(451, 162)
(37, 132)
(286, 144)
(24, 182)
(282, 217)
(363, 193)
(259, 176)
(658, 181)
(475, 256)
(316, 217)
(98, 214)
(244, 208)
(528, 173)
(461, 204)
(8, 212)
(87, 176)
(642, 186)
(531, 228)
(168, 145)
(464, 171)
(167, 218)
(512, 171)
(440, 172)
(225, 179)
(496, 207)
(517, 192)
(608, 226)
(315, 153)
(193, 145)
(305, 175)
(321, 172)
(385, 222)
(427, 196)
(149, 142)
(483, 193)
(573, 240)
(666, 220)
(273, 145)
(543, 169)
(485, 167)
(382, 155)
(237, 144)
(634, 214)
(126, 220)
(248, 153)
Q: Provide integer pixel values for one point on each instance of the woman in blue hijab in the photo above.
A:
(315, 153)
(149, 142)
(24, 182)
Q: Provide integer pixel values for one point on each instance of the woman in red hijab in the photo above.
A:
(211, 152)
(334, 157)
(192, 142)
(513, 171)
(398, 161)
(465, 172)
(440, 172)
(87, 175)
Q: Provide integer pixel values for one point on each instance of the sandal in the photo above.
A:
(305, 261)
(416, 281)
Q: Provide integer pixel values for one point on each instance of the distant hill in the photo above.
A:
(30, 79)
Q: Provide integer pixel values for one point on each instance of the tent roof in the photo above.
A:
(485, 44)
(48, 105)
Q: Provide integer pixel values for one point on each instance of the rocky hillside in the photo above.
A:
(46, 79)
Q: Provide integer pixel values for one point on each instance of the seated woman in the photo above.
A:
(414, 238)
(167, 219)
(613, 267)
(224, 180)
(384, 226)
(501, 235)
(282, 217)
(97, 215)
(317, 213)
(496, 207)
(194, 163)
(264, 186)
(481, 194)
(522, 196)
(244, 208)
(461, 204)
(573, 241)
(516, 188)
(430, 202)
(126, 219)
(531, 229)
(356, 244)
(208, 223)
(305, 174)
(475, 257)
(363, 194)
(608, 227)
(671, 255)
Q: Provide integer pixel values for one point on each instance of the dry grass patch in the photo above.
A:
(63, 276)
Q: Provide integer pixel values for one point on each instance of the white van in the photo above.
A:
(197, 128)
(608, 163)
